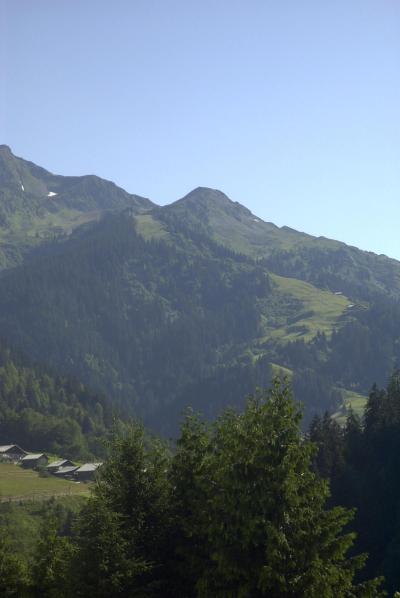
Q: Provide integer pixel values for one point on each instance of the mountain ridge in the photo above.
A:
(203, 196)
(52, 206)
(37, 205)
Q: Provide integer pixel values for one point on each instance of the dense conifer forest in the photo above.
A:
(361, 461)
(47, 412)
(236, 508)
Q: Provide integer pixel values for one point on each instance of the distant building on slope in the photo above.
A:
(34, 460)
(11, 452)
(56, 465)
(86, 472)
(66, 472)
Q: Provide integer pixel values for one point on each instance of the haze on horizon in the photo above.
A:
(289, 108)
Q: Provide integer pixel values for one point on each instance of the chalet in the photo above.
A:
(87, 472)
(34, 460)
(56, 465)
(11, 452)
(66, 472)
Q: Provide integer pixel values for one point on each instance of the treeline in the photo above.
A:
(236, 510)
(45, 412)
(362, 462)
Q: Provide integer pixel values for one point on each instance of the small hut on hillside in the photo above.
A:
(86, 472)
(66, 472)
(11, 453)
(56, 465)
(34, 460)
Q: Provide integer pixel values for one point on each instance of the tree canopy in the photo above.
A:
(236, 510)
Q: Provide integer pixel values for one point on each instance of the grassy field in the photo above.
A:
(321, 310)
(17, 483)
(355, 401)
(352, 400)
(150, 228)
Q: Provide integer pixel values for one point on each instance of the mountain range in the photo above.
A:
(194, 303)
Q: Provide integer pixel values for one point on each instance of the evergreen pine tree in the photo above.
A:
(266, 528)
(14, 580)
(121, 534)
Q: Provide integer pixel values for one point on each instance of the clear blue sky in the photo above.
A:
(290, 107)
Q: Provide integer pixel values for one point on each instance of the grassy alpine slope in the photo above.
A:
(37, 206)
(323, 262)
(18, 483)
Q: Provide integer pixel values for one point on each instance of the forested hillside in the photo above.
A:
(146, 321)
(46, 412)
(195, 303)
(361, 461)
(235, 510)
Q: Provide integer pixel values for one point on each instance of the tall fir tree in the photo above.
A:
(261, 510)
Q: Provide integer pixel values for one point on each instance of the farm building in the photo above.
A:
(11, 452)
(87, 472)
(66, 471)
(56, 465)
(34, 460)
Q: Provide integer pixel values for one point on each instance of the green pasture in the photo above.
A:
(322, 310)
(351, 401)
(16, 483)
(150, 228)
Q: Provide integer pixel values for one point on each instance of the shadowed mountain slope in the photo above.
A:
(194, 303)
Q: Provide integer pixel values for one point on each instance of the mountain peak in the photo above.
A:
(227, 221)
(205, 194)
(34, 199)
(205, 200)
(206, 191)
(5, 149)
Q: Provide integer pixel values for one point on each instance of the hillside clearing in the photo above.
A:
(17, 483)
(351, 401)
(322, 310)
